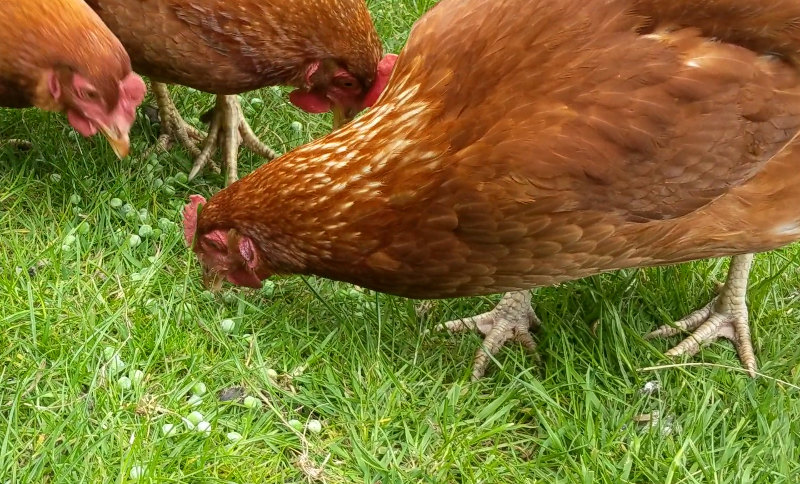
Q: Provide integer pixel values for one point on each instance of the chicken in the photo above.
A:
(57, 55)
(550, 141)
(329, 50)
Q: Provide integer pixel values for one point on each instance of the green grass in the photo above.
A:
(396, 403)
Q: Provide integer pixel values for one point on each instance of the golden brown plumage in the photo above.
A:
(329, 50)
(57, 55)
(551, 140)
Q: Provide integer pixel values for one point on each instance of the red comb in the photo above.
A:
(385, 67)
(190, 217)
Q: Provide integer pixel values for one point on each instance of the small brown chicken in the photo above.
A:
(58, 56)
(549, 141)
(329, 50)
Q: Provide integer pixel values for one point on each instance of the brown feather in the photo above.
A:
(549, 141)
(39, 35)
(229, 47)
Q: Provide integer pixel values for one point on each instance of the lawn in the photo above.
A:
(103, 342)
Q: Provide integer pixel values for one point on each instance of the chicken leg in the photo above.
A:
(228, 130)
(724, 317)
(510, 320)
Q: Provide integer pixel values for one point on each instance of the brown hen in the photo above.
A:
(58, 56)
(329, 50)
(550, 141)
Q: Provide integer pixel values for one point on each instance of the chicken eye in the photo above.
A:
(345, 83)
(88, 94)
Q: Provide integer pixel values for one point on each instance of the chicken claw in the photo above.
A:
(510, 320)
(229, 124)
(228, 129)
(724, 317)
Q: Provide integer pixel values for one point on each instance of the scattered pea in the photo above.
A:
(124, 382)
(116, 365)
(314, 426)
(227, 325)
(204, 427)
(169, 429)
(195, 400)
(295, 424)
(199, 388)
(182, 177)
(137, 376)
(272, 374)
(127, 208)
(169, 190)
(144, 215)
(251, 402)
(195, 417)
(75, 199)
(145, 231)
(109, 352)
(55, 177)
(115, 202)
(234, 436)
(297, 126)
(136, 472)
(83, 228)
(134, 240)
(69, 240)
(268, 288)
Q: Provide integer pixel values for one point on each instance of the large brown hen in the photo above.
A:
(57, 55)
(550, 141)
(329, 50)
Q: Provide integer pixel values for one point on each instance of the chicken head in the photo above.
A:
(333, 87)
(96, 106)
(224, 254)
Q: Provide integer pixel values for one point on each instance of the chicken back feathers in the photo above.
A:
(550, 140)
(226, 47)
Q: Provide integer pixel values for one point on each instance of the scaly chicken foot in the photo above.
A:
(228, 130)
(510, 320)
(724, 317)
(173, 126)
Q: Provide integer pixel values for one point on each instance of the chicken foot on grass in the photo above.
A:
(724, 317)
(511, 320)
(227, 130)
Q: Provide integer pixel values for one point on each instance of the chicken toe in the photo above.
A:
(228, 130)
(724, 317)
(510, 320)
(173, 127)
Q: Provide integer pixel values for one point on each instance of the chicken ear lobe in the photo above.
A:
(245, 261)
(54, 85)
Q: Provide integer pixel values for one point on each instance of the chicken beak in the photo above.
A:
(119, 140)
(341, 116)
(212, 280)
